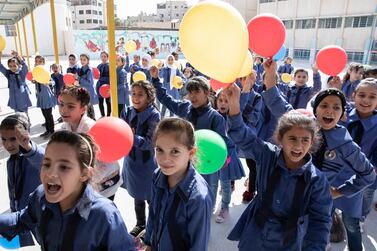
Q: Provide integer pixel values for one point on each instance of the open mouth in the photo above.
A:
(296, 154)
(53, 188)
(365, 106)
(327, 120)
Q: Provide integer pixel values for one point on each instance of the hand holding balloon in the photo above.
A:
(248, 82)
(315, 68)
(270, 71)
(233, 94)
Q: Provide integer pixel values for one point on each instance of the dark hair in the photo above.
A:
(85, 55)
(40, 57)
(83, 145)
(13, 60)
(370, 72)
(352, 67)
(56, 65)
(182, 129)
(174, 53)
(72, 56)
(123, 59)
(197, 83)
(148, 88)
(300, 70)
(298, 119)
(190, 69)
(104, 52)
(80, 93)
(151, 53)
(328, 92)
(11, 121)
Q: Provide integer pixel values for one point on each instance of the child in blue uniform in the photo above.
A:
(139, 165)
(134, 67)
(85, 75)
(57, 76)
(73, 66)
(64, 212)
(104, 79)
(46, 100)
(286, 67)
(19, 99)
(351, 79)
(123, 95)
(292, 209)
(23, 165)
(299, 94)
(146, 62)
(199, 112)
(181, 207)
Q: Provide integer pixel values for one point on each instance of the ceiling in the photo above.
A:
(11, 11)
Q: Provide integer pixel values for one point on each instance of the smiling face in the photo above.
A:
(71, 109)
(119, 62)
(301, 78)
(61, 175)
(10, 143)
(72, 60)
(172, 156)
(104, 58)
(365, 100)
(84, 60)
(356, 74)
(139, 98)
(329, 111)
(296, 143)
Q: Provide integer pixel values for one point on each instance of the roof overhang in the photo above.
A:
(11, 11)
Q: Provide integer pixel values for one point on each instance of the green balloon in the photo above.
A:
(211, 151)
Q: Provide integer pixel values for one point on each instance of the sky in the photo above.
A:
(133, 7)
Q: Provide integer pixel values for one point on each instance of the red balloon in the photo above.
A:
(266, 34)
(69, 79)
(216, 85)
(331, 60)
(29, 76)
(113, 137)
(104, 91)
(96, 73)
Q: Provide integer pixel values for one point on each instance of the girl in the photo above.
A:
(200, 113)
(123, 95)
(57, 76)
(299, 94)
(292, 210)
(66, 204)
(73, 105)
(188, 73)
(73, 66)
(19, 99)
(168, 74)
(351, 79)
(104, 78)
(286, 67)
(86, 80)
(46, 100)
(362, 125)
(23, 165)
(231, 173)
(146, 62)
(134, 67)
(139, 165)
(181, 207)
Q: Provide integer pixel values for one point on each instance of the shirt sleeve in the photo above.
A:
(275, 102)
(145, 142)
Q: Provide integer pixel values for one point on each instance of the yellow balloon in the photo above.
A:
(139, 76)
(247, 66)
(130, 46)
(155, 62)
(177, 82)
(286, 78)
(2, 43)
(214, 39)
(41, 75)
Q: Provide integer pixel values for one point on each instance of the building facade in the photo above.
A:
(171, 10)
(88, 14)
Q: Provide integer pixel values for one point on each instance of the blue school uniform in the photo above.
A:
(165, 73)
(135, 66)
(23, 171)
(86, 80)
(189, 223)
(352, 206)
(59, 83)
(104, 75)
(19, 99)
(348, 88)
(299, 96)
(45, 96)
(311, 229)
(122, 86)
(74, 69)
(147, 73)
(140, 163)
(202, 118)
(94, 223)
(259, 69)
(285, 68)
(340, 153)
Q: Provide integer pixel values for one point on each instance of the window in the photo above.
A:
(81, 12)
(100, 21)
(99, 4)
(100, 13)
(175, 7)
(95, 21)
(358, 22)
(88, 11)
(288, 24)
(95, 12)
(305, 23)
(10, 30)
(301, 54)
(373, 58)
(329, 23)
(266, 1)
(82, 21)
(74, 21)
(177, 15)
(88, 21)
(355, 56)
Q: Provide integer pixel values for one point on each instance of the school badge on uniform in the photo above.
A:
(330, 155)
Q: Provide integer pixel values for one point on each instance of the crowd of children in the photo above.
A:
(304, 164)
